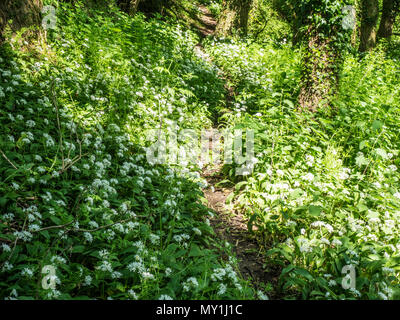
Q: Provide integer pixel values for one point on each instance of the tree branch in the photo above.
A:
(8, 160)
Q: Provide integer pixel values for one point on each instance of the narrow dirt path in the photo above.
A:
(231, 226)
(208, 21)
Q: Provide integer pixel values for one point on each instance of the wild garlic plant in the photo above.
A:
(324, 193)
(77, 194)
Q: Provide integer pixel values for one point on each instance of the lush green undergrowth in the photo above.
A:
(265, 23)
(79, 196)
(76, 190)
(325, 191)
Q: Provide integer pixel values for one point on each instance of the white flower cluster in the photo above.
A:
(190, 284)
(226, 274)
(319, 224)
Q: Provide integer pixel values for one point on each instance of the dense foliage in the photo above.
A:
(325, 191)
(77, 192)
(79, 196)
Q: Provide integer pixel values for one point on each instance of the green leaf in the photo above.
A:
(363, 144)
(304, 273)
(376, 125)
(300, 209)
(314, 210)
(229, 198)
(56, 220)
(239, 185)
(78, 249)
(287, 269)
(116, 30)
(289, 103)
(3, 201)
(195, 251)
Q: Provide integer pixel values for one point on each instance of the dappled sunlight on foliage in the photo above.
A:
(324, 191)
(77, 191)
(83, 207)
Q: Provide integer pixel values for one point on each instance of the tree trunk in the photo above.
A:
(129, 6)
(134, 4)
(389, 12)
(369, 19)
(150, 7)
(244, 16)
(23, 13)
(320, 75)
(235, 16)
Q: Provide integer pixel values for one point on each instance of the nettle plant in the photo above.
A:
(77, 194)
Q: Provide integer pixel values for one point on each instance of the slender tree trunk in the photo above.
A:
(133, 6)
(129, 6)
(244, 16)
(369, 19)
(320, 75)
(23, 13)
(389, 12)
(235, 16)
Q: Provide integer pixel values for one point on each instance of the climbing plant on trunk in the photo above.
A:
(320, 71)
(319, 28)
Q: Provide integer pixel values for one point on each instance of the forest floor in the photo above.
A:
(231, 226)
